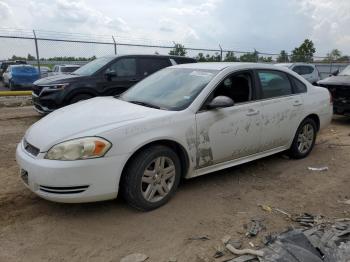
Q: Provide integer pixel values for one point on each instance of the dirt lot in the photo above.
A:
(33, 229)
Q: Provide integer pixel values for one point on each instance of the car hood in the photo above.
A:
(336, 80)
(58, 79)
(86, 118)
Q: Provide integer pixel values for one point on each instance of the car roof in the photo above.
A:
(154, 56)
(69, 65)
(21, 65)
(222, 65)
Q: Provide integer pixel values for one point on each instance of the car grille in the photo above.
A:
(37, 89)
(30, 148)
(63, 190)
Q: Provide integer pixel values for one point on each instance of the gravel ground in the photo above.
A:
(33, 229)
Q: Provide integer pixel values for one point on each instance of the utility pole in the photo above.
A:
(115, 45)
(37, 51)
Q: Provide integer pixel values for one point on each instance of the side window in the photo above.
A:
(238, 87)
(274, 84)
(124, 67)
(303, 70)
(299, 87)
(150, 65)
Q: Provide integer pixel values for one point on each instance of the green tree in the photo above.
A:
(283, 57)
(334, 55)
(179, 50)
(265, 59)
(230, 57)
(14, 57)
(30, 57)
(250, 57)
(201, 58)
(304, 53)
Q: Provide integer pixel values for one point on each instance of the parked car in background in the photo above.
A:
(44, 71)
(105, 76)
(63, 69)
(181, 122)
(339, 87)
(308, 71)
(20, 76)
(5, 64)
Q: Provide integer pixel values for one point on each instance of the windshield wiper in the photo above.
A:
(144, 104)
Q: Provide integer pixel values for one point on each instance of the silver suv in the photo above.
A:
(308, 71)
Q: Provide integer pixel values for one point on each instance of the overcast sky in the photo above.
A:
(268, 25)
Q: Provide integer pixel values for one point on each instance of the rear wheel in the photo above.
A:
(78, 98)
(304, 139)
(151, 178)
(11, 86)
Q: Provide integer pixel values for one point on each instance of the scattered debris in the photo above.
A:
(283, 212)
(266, 208)
(347, 202)
(136, 257)
(251, 244)
(255, 226)
(324, 242)
(308, 220)
(239, 252)
(219, 251)
(325, 168)
(202, 238)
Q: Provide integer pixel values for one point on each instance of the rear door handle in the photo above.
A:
(133, 79)
(252, 112)
(297, 103)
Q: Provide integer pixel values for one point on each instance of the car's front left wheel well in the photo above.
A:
(176, 147)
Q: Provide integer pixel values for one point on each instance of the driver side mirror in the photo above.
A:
(335, 73)
(220, 102)
(110, 74)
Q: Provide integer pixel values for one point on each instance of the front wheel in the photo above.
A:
(304, 139)
(151, 178)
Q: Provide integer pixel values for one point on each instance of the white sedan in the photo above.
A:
(181, 122)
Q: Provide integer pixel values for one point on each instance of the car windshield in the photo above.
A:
(170, 89)
(24, 69)
(93, 66)
(345, 72)
(69, 69)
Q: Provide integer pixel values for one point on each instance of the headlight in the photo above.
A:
(57, 86)
(77, 149)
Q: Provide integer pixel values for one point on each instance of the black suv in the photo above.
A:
(104, 76)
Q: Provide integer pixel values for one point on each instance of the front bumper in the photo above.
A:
(341, 108)
(71, 181)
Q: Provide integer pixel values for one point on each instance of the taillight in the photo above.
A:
(330, 97)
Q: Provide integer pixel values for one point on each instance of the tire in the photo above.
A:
(11, 86)
(304, 139)
(78, 98)
(145, 189)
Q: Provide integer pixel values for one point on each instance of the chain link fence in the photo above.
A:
(49, 48)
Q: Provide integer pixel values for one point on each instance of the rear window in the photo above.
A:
(274, 84)
(303, 70)
(299, 87)
(24, 69)
(184, 60)
(69, 69)
(150, 65)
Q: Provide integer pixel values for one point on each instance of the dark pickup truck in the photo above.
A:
(339, 86)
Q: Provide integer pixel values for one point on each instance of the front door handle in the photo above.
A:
(252, 112)
(297, 103)
(133, 79)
